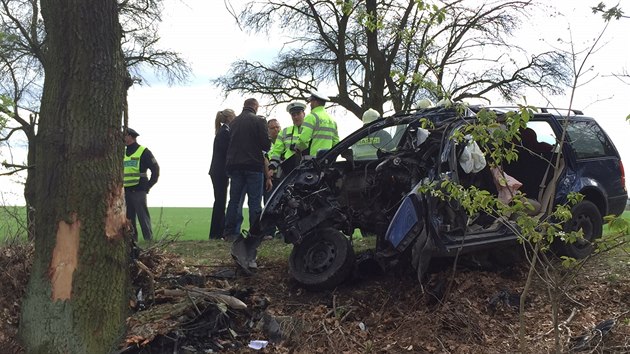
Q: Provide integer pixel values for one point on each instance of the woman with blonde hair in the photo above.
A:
(217, 171)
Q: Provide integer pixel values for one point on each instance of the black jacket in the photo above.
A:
(248, 139)
(147, 162)
(219, 151)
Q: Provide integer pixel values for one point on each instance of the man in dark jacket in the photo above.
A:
(245, 166)
(138, 159)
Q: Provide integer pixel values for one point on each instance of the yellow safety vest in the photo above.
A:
(319, 132)
(281, 150)
(131, 165)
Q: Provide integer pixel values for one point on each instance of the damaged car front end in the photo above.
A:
(358, 184)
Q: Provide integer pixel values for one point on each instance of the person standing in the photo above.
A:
(281, 152)
(273, 128)
(319, 130)
(367, 148)
(217, 172)
(245, 166)
(138, 159)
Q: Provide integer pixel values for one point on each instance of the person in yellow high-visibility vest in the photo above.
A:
(281, 152)
(319, 130)
(366, 148)
(137, 160)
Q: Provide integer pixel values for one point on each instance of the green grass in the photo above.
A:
(189, 224)
(12, 223)
(192, 224)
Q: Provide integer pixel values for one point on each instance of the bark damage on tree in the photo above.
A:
(116, 222)
(64, 259)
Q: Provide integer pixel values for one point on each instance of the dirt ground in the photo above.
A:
(387, 313)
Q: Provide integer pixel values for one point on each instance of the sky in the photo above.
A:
(176, 123)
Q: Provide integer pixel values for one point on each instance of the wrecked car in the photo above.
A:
(369, 181)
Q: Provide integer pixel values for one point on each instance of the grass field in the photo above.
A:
(188, 224)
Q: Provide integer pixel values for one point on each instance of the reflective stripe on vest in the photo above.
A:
(131, 168)
(288, 136)
(323, 135)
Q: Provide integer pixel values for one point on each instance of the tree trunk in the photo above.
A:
(77, 295)
(376, 60)
(29, 185)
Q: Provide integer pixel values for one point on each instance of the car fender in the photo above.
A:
(592, 189)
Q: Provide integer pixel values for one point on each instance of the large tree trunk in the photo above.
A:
(77, 296)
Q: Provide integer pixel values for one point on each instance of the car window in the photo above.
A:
(385, 139)
(588, 140)
(544, 132)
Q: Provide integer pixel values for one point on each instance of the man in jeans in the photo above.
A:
(245, 165)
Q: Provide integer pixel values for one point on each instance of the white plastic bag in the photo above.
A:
(422, 135)
(472, 159)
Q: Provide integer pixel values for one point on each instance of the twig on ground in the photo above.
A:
(565, 322)
(346, 315)
(146, 269)
(193, 302)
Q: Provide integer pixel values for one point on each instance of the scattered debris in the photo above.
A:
(505, 298)
(593, 338)
(258, 344)
(207, 309)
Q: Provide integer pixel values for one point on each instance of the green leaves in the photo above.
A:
(608, 14)
(346, 6)
(6, 105)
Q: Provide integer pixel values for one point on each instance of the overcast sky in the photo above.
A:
(176, 123)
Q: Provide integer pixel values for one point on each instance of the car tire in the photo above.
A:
(323, 260)
(585, 216)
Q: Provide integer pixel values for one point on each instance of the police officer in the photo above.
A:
(281, 151)
(366, 148)
(138, 159)
(319, 130)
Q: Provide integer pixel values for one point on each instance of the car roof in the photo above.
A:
(443, 115)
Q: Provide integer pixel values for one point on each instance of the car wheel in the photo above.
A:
(585, 217)
(323, 260)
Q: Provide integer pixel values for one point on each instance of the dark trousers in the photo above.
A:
(220, 186)
(243, 182)
(136, 201)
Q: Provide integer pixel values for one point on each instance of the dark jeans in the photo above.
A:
(241, 183)
(217, 223)
(136, 201)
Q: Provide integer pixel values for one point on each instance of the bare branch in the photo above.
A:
(388, 52)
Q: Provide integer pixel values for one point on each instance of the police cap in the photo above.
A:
(295, 107)
(318, 96)
(132, 132)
